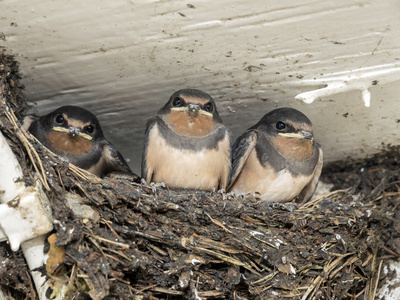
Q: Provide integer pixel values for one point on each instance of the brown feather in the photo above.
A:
(183, 123)
(293, 148)
(66, 144)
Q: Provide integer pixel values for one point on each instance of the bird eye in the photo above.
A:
(89, 129)
(60, 119)
(209, 107)
(177, 102)
(280, 125)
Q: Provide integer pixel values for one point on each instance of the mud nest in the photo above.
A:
(152, 242)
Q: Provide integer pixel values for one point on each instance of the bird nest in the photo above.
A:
(151, 242)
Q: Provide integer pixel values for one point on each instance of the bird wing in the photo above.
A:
(309, 189)
(113, 162)
(149, 125)
(241, 150)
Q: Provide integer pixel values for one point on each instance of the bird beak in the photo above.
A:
(205, 113)
(73, 131)
(193, 108)
(183, 108)
(303, 134)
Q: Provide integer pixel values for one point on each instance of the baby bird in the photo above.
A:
(278, 158)
(74, 134)
(186, 144)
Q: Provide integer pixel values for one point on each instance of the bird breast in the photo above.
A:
(293, 148)
(281, 186)
(202, 169)
(186, 124)
(66, 144)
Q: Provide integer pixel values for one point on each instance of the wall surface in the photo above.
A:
(122, 60)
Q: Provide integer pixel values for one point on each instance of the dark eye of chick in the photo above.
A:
(209, 107)
(60, 119)
(280, 125)
(89, 129)
(177, 102)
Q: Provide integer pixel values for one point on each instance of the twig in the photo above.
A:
(265, 278)
(390, 251)
(119, 244)
(22, 136)
(104, 221)
(314, 202)
(312, 287)
(31, 285)
(167, 291)
(227, 259)
(146, 288)
(265, 242)
(218, 223)
(377, 280)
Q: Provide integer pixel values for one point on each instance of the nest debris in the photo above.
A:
(151, 242)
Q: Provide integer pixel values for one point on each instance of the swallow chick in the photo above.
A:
(278, 158)
(186, 144)
(74, 134)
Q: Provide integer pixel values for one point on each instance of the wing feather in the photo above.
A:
(149, 125)
(309, 189)
(241, 150)
(112, 162)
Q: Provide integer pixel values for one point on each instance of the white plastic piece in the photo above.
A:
(390, 290)
(33, 251)
(10, 170)
(3, 237)
(361, 79)
(26, 217)
(9, 166)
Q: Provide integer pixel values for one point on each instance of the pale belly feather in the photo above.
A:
(204, 170)
(273, 187)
